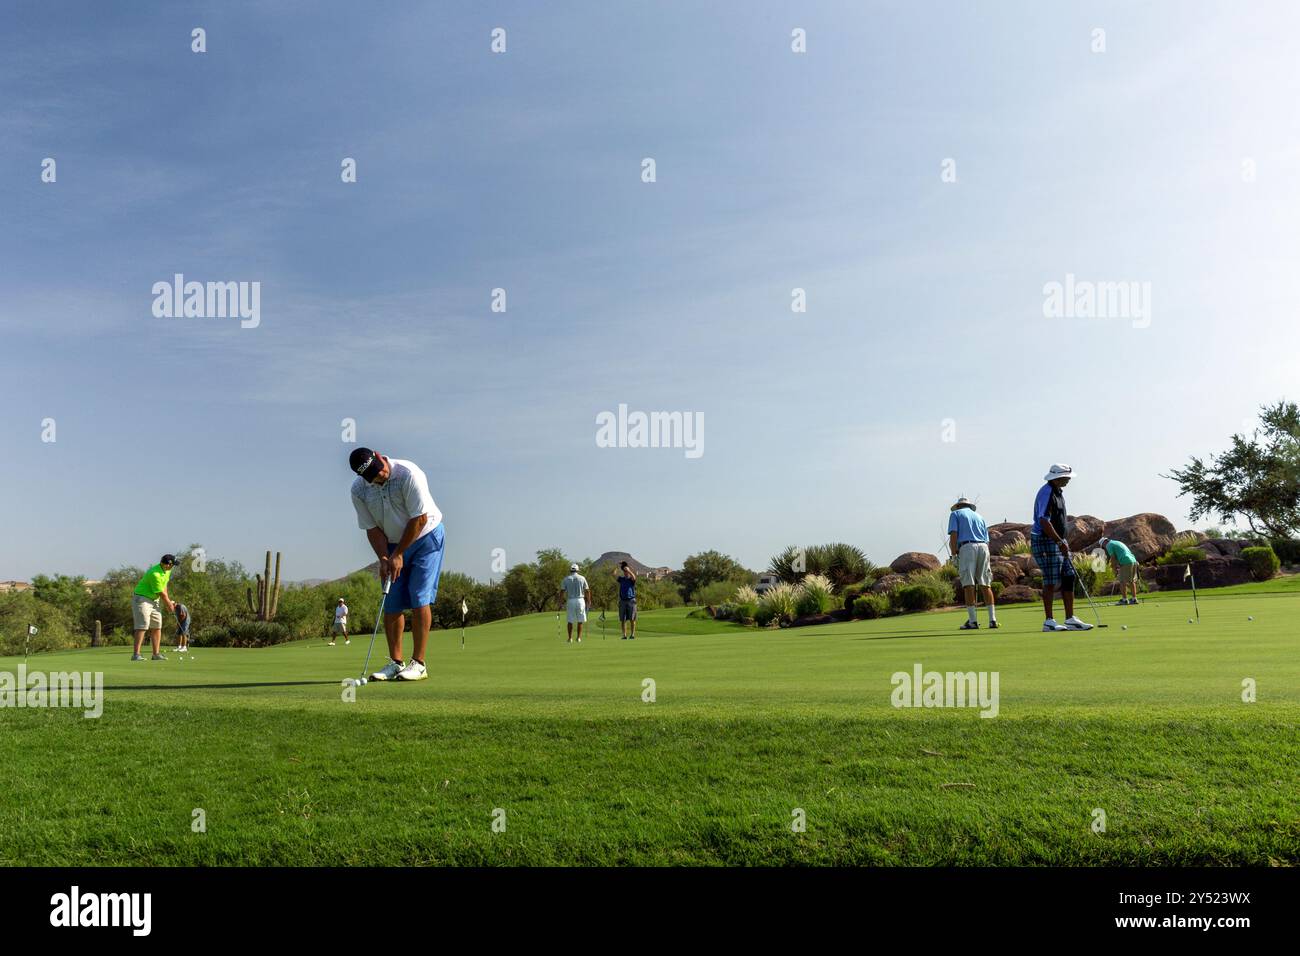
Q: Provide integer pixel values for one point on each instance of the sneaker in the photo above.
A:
(1074, 624)
(388, 672)
(157, 657)
(970, 626)
(413, 671)
(994, 625)
(348, 642)
(137, 657)
(1051, 625)
(331, 643)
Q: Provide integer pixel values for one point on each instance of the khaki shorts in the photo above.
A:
(973, 565)
(577, 611)
(340, 627)
(1128, 573)
(145, 611)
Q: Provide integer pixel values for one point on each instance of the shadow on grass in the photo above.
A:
(283, 683)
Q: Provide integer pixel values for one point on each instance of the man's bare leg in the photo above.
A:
(421, 619)
(394, 624)
(1048, 590)
(155, 638)
(139, 640)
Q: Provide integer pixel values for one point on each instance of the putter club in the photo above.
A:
(379, 619)
(1079, 578)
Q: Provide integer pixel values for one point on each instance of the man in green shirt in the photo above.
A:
(1125, 565)
(144, 605)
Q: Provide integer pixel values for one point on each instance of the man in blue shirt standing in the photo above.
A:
(1051, 550)
(626, 600)
(968, 539)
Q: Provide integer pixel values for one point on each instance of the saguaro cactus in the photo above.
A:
(268, 592)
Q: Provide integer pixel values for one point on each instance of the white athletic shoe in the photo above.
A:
(413, 671)
(347, 643)
(1074, 624)
(1051, 625)
(388, 672)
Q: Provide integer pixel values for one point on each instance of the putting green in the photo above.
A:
(750, 733)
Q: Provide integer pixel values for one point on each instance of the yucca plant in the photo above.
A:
(1017, 547)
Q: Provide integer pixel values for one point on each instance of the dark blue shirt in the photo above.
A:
(1049, 504)
(626, 589)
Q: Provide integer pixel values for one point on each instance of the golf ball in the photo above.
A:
(1123, 627)
(1189, 620)
(1250, 617)
(363, 680)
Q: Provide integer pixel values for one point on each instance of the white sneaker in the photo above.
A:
(1051, 625)
(347, 643)
(331, 643)
(413, 671)
(1074, 624)
(388, 672)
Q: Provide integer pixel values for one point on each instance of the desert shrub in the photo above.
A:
(1213, 533)
(1263, 562)
(1019, 547)
(720, 613)
(997, 587)
(1286, 549)
(814, 595)
(776, 605)
(1185, 540)
(871, 606)
(246, 633)
(943, 582)
(1094, 572)
(744, 612)
(1181, 556)
(917, 597)
(854, 591)
(719, 592)
(745, 594)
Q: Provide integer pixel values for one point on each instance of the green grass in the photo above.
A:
(1146, 724)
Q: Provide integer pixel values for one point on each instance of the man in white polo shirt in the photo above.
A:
(404, 528)
(577, 593)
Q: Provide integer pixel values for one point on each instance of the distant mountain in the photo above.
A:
(615, 558)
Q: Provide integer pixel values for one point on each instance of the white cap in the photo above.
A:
(1058, 471)
(573, 567)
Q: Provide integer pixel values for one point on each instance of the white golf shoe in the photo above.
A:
(388, 672)
(1074, 624)
(1051, 625)
(413, 671)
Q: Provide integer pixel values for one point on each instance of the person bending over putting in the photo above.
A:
(1125, 565)
(574, 588)
(404, 528)
(1051, 551)
(182, 629)
(145, 613)
(626, 578)
(968, 538)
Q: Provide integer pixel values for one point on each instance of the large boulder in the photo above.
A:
(911, 561)
(1006, 533)
(1222, 547)
(1147, 535)
(1018, 594)
(1084, 532)
(1026, 564)
(1213, 572)
(886, 583)
(1006, 570)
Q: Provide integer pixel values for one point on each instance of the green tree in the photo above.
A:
(69, 594)
(1258, 478)
(707, 567)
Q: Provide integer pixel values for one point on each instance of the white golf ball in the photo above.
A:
(1250, 617)
(1123, 627)
(1189, 620)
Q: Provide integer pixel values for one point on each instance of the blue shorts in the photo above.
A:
(1056, 570)
(417, 585)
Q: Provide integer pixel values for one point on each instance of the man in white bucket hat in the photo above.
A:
(968, 538)
(1052, 551)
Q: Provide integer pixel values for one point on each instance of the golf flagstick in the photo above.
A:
(1079, 578)
(1186, 576)
(464, 610)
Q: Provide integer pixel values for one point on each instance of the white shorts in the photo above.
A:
(145, 613)
(973, 565)
(577, 611)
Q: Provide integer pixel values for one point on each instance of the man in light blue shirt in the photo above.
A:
(968, 539)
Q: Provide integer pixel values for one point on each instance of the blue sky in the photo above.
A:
(521, 170)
